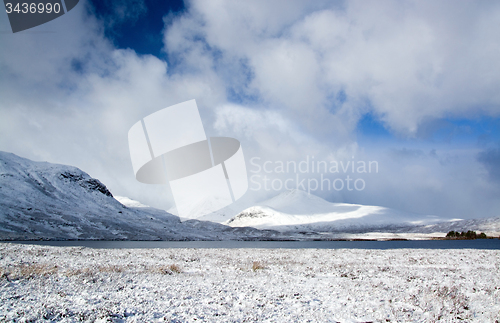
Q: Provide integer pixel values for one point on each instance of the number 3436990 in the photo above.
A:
(33, 7)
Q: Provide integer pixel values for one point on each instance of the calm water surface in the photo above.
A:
(412, 244)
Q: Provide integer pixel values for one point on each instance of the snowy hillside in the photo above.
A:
(47, 201)
(490, 226)
(228, 212)
(297, 210)
(40, 200)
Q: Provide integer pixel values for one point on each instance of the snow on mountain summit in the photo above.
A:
(41, 200)
(297, 210)
(40, 181)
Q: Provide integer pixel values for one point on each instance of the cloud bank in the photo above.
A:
(290, 79)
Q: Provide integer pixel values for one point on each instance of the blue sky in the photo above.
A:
(142, 32)
(413, 85)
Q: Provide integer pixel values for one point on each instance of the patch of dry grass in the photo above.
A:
(168, 270)
(79, 272)
(111, 269)
(28, 271)
(257, 265)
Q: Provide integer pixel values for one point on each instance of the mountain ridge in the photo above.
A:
(41, 200)
(296, 210)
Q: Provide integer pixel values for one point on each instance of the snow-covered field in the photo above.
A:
(240, 285)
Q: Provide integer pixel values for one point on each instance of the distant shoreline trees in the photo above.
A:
(469, 235)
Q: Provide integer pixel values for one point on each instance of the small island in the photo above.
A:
(469, 235)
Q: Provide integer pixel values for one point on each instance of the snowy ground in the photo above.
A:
(240, 285)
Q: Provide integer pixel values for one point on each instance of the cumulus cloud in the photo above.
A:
(409, 60)
(69, 96)
(289, 79)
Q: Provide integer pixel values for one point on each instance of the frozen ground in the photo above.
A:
(241, 285)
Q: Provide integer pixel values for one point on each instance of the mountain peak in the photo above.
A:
(299, 210)
(40, 200)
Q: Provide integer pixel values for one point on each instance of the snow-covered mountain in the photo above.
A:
(228, 212)
(490, 226)
(297, 210)
(40, 200)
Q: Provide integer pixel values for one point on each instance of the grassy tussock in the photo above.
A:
(257, 265)
(79, 272)
(28, 271)
(111, 269)
(168, 270)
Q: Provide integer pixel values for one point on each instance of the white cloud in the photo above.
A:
(410, 60)
(268, 73)
(70, 97)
